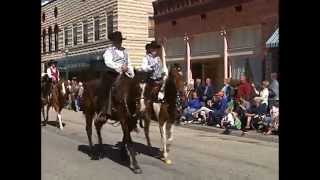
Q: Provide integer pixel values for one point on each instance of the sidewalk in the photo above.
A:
(250, 134)
(78, 117)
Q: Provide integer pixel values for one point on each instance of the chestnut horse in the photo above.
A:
(166, 112)
(52, 95)
(124, 103)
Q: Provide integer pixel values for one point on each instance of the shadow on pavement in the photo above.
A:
(113, 152)
(54, 123)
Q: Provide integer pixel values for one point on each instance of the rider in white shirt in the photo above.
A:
(117, 61)
(152, 63)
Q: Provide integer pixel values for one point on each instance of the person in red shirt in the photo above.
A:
(244, 89)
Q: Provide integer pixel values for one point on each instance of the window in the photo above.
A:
(151, 27)
(203, 16)
(43, 17)
(44, 34)
(75, 33)
(110, 23)
(66, 40)
(238, 8)
(56, 37)
(96, 28)
(50, 38)
(55, 12)
(85, 32)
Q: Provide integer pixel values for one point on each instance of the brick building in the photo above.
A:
(248, 24)
(74, 32)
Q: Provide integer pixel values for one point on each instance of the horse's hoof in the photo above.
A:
(168, 161)
(137, 171)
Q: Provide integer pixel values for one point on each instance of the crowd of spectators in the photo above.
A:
(243, 105)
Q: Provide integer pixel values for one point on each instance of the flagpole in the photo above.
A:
(163, 57)
(225, 53)
(188, 57)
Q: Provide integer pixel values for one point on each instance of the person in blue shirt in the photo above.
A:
(219, 109)
(192, 105)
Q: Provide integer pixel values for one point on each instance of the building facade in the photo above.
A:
(74, 32)
(248, 25)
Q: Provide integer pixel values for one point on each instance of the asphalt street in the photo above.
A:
(195, 155)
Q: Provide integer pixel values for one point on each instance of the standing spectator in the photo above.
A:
(192, 105)
(79, 97)
(208, 90)
(69, 89)
(219, 109)
(74, 91)
(227, 89)
(263, 93)
(244, 89)
(198, 87)
(274, 86)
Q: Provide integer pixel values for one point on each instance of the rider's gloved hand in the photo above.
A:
(160, 95)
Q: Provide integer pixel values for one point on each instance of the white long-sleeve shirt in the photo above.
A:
(150, 63)
(115, 58)
(264, 94)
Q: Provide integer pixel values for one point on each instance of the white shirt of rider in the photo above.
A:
(150, 63)
(116, 65)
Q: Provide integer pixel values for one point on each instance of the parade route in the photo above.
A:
(195, 155)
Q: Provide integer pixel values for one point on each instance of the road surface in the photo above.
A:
(195, 155)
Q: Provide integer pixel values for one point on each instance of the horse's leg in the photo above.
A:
(169, 127)
(147, 120)
(47, 114)
(127, 141)
(162, 126)
(89, 119)
(60, 120)
(98, 124)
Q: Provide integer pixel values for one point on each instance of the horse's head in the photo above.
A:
(176, 75)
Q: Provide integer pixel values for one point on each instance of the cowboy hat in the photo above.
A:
(52, 62)
(148, 46)
(117, 35)
(154, 45)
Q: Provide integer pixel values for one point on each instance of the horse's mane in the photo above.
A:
(170, 89)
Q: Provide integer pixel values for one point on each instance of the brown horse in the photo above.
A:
(52, 95)
(166, 112)
(124, 103)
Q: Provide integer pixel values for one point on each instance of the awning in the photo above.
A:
(273, 41)
(79, 62)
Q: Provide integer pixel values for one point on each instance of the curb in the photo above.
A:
(253, 135)
(238, 133)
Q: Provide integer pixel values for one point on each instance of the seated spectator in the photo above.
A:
(192, 105)
(208, 90)
(241, 108)
(274, 125)
(263, 93)
(203, 112)
(231, 120)
(255, 111)
(219, 109)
